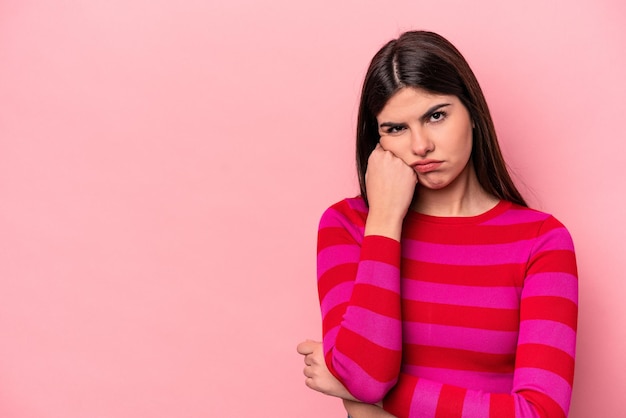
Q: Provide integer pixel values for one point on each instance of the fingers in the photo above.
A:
(309, 360)
(309, 378)
(310, 383)
(307, 347)
(379, 149)
(381, 155)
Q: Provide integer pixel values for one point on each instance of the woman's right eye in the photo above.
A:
(395, 129)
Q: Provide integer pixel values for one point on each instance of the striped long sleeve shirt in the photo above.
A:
(465, 317)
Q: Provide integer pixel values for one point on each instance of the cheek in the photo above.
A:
(398, 146)
(465, 143)
(389, 144)
(385, 141)
(470, 143)
(397, 142)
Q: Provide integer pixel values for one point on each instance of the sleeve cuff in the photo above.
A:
(379, 248)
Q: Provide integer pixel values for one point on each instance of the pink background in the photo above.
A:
(163, 166)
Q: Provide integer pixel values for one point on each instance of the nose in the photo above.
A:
(421, 144)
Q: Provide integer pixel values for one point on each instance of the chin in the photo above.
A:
(434, 185)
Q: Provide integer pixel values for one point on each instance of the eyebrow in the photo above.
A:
(426, 114)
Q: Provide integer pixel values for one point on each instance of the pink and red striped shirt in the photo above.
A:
(465, 317)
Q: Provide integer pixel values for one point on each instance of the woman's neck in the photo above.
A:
(463, 197)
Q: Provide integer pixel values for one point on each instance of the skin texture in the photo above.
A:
(318, 377)
(422, 163)
(418, 127)
(363, 410)
(391, 184)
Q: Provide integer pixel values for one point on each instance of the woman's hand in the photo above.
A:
(318, 377)
(390, 184)
(364, 410)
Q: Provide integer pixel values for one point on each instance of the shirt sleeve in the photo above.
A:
(544, 361)
(359, 291)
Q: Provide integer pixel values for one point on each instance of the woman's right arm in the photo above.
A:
(359, 290)
(359, 280)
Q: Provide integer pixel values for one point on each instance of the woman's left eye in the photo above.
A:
(437, 116)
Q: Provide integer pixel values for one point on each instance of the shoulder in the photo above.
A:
(348, 215)
(525, 217)
(546, 230)
(352, 210)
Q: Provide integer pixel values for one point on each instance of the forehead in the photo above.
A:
(409, 101)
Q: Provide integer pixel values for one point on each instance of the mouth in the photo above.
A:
(427, 166)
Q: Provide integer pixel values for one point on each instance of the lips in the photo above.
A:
(427, 166)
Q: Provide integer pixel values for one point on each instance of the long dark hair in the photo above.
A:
(427, 61)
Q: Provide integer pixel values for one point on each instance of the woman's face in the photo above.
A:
(432, 133)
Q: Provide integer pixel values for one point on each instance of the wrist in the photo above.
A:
(384, 224)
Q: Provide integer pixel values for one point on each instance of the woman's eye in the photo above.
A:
(437, 116)
(395, 129)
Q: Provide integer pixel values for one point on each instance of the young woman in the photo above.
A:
(442, 294)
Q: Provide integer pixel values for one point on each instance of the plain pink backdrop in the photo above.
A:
(163, 166)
